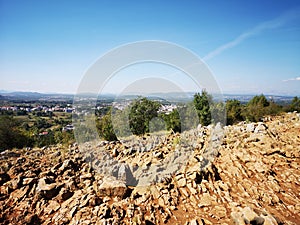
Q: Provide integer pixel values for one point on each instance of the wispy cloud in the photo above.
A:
(267, 25)
(292, 79)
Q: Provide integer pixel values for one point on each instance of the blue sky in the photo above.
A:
(250, 46)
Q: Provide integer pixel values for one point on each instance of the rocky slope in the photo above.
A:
(253, 177)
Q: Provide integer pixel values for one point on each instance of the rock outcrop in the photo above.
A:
(251, 177)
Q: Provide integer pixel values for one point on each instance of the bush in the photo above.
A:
(294, 106)
(11, 136)
(142, 111)
(256, 108)
(172, 121)
(45, 139)
(105, 127)
(233, 111)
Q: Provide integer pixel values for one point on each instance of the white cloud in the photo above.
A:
(292, 79)
(267, 25)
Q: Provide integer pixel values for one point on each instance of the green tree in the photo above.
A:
(120, 122)
(11, 134)
(64, 137)
(141, 112)
(202, 105)
(41, 123)
(273, 109)
(259, 100)
(172, 121)
(218, 112)
(295, 105)
(256, 108)
(105, 127)
(45, 139)
(234, 111)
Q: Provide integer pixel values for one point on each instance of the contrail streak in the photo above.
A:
(267, 25)
(292, 79)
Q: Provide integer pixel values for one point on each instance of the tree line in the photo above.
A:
(143, 111)
(141, 117)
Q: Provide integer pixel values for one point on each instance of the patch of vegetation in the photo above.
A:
(12, 135)
(105, 127)
(23, 127)
(202, 103)
(142, 111)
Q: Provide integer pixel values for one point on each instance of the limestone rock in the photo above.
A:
(205, 200)
(260, 128)
(250, 177)
(111, 187)
(194, 222)
(250, 127)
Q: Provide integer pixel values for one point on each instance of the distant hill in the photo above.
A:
(169, 97)
(34, 96)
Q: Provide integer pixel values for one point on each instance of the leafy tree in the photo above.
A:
(256, 108)
(188, 116)
(172, 121)
(202, 105)
(102, 111)
(6, 112)
(21, 113)
(273, 109)
(295, 105)
(50, 114)
(218, 112)
(259, 100)
(120, 121)
(234, 111)
(105, 127)
(41, 123)
(45, 139)
(66, 137)
(11, 135)
(84, 133)
(141, 112)
(85, 128)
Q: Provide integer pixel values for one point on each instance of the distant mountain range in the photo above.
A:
(33, 96)
(171, 96)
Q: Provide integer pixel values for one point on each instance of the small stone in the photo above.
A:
(219, 211)
(194, 222)
(250, 127)
(53, 206)
(27, 181)
(205, 200)
(248, 213)
(260, 128)
(181, 182)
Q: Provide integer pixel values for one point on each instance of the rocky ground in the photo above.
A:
(251, 177)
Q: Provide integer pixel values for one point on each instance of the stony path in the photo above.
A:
(254, 178)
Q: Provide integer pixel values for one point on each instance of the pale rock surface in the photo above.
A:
(248, 175)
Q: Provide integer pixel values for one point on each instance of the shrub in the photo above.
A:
(142, 111)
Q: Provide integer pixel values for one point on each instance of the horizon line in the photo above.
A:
(146, 93)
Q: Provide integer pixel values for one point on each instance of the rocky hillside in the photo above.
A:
(251, 177)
